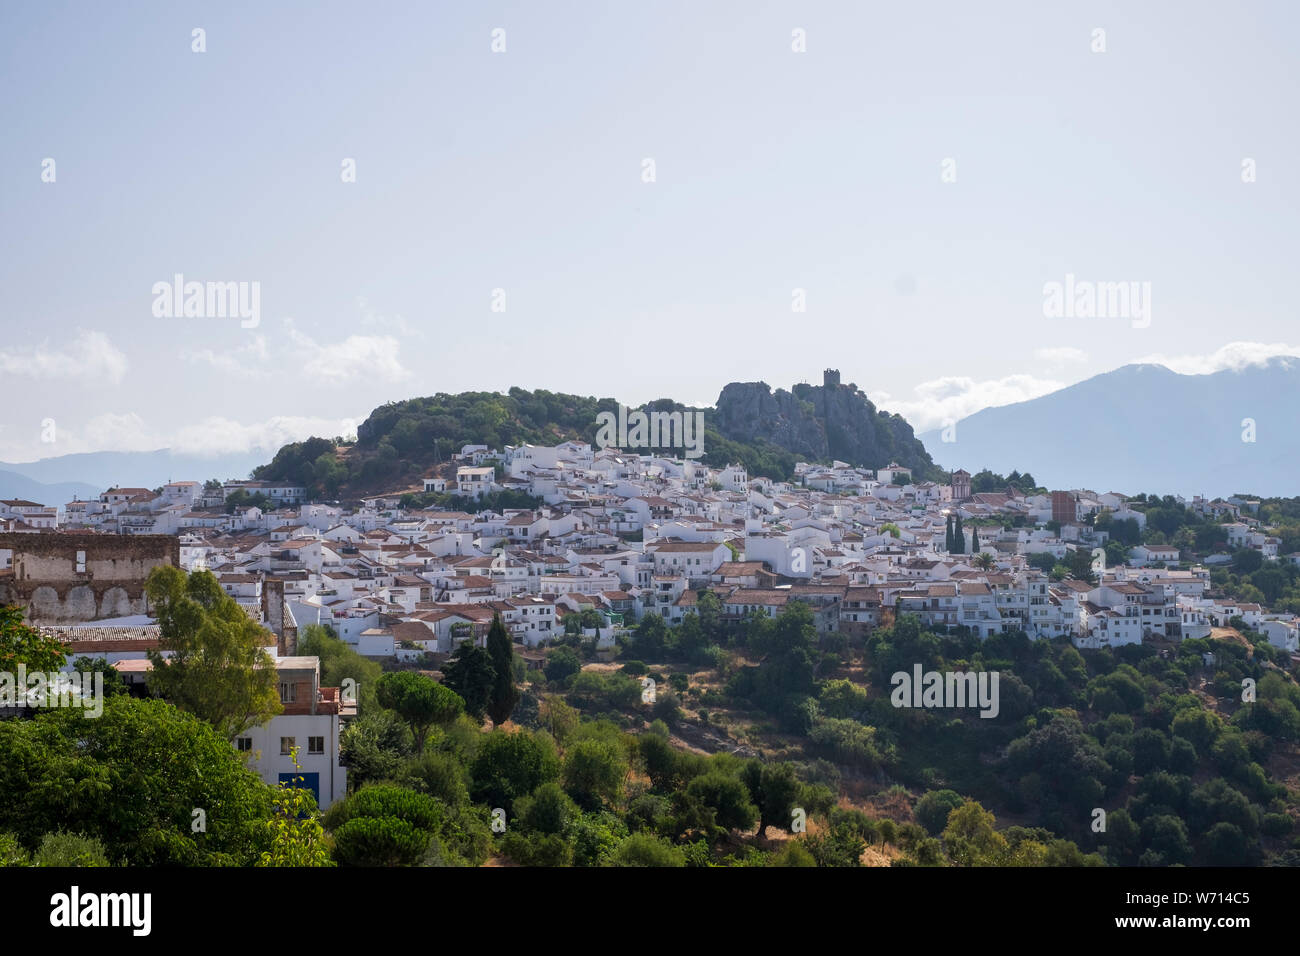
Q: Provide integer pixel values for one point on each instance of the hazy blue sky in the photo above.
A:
(522, 170)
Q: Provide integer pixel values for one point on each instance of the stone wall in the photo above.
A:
(68, 578)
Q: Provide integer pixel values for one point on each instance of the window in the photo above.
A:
(288, 692)
(244, 744)
(81, 562)
(287, 744)
(315, 745)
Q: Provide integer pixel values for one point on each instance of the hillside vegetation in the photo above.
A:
(401, 441)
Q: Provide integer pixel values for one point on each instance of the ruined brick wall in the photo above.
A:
(68, 578)
(277, 617)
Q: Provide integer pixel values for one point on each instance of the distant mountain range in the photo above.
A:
(57, 480)
(14, 485)
(1144, 428)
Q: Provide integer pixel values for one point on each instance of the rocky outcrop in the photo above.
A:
(820, 423)
(750, 410)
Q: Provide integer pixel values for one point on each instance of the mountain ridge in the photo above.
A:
(1143, 427)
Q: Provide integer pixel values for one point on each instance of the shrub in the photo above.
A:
(372, 841)
(70, 849)
(932, 810)
(12, 853)
(644, 849)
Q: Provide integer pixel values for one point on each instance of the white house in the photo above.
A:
(310, 723)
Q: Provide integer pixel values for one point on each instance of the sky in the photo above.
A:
(624, 200)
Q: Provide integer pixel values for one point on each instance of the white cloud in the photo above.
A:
(109, 431)
(1061, 356)
(87, 356)
(1234, 355)
(240, 361)
(952, 398)
(373, 320)
(210, 436)
(222, 436)
(112, 432)
(357, 356)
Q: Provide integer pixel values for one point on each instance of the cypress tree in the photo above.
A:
(974, 540)
(504, 692)
(948, 536)
(471, 675)
(958, 538)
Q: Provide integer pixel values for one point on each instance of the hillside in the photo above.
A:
(765, 431)
(1144, 427)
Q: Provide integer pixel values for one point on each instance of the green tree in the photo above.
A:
(1044, 561)
(932, 810)
(1123, 837)
(470, 674)
(439, 774)
(1246, 560)
(420, 701)
(380, 842)
(512, 765)
(548, 810)
(559, 719)
(1165, 836)
(374, 746)
(20, 643)
(384, 826)
(113, 682)
(505, 695)
(709, 607)
(838, 845)
(775, 791)
(1224, 844)
(561, 662)
(727, 797)
(650, 639)
(971, 839)
(339, 662)
(594, 771)
(660, 759)
(1116, 554)
(219, 669)
(132, 778)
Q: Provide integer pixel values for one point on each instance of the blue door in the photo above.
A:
(308, 781)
